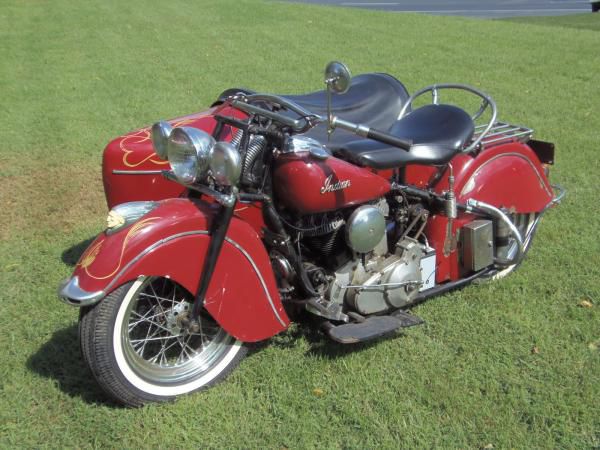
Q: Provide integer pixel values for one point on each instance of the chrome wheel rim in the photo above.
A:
(156, 345)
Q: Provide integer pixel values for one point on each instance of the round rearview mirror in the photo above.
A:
(337, 77)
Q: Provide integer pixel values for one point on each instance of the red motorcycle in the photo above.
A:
(225, 223)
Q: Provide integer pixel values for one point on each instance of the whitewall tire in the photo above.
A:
(139, 351)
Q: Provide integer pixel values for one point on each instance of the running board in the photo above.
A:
(371, 328)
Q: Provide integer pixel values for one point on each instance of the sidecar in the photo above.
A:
(131, 170)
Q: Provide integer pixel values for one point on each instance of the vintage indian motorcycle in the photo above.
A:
(225, 223)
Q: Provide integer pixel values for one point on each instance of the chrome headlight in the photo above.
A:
(125, 214)
(160, 138)
(188, 151)
(225, 164)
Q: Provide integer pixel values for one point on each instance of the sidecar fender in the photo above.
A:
(172, 241)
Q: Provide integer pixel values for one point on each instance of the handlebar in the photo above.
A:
(309, 119)
(296, 125)
(371, 133)
(292, 106)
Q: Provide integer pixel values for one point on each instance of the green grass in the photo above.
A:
(75, 74)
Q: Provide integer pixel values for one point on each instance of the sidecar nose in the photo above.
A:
(70, 293)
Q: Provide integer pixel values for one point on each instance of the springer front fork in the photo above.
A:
(218, 232)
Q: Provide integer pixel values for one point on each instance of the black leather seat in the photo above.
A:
(438, 133)
(373, 99)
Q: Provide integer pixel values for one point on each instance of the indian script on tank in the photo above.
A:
(332, 187)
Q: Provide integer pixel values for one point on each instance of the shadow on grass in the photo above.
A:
(61, 360)
(321, 345)
(71, 255)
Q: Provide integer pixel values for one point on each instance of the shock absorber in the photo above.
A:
(255, 147)
(451, 212)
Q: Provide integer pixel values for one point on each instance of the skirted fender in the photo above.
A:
(172, 241)
(508, 176)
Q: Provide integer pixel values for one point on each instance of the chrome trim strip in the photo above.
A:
(262, 281)
(136, 172)
(148, 250)
(70, 293)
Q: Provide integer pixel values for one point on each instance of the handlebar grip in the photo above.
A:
(389, 139)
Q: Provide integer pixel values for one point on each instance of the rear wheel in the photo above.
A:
(137, 348)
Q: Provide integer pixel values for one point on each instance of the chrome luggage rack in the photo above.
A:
(501, 132)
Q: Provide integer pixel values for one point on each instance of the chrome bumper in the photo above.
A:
(70, 293)
(559, 193)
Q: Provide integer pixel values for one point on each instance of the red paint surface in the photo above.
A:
(236, 297)
(134, 151)
(506, 176)
(299, 178)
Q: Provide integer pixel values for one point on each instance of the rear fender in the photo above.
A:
(507, 176)
(172, 241)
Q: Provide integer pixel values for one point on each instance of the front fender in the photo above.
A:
(172, 241)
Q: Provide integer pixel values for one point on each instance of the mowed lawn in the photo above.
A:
(512, 364)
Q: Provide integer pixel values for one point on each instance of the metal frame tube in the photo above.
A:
(498, 214)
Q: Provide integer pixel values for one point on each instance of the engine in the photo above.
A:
(384, 282)
(365, 260)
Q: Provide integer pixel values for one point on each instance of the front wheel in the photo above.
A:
(139, 351)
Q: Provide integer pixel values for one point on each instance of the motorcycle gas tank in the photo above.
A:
(310, 185)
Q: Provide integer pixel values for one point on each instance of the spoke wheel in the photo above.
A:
(137, 346)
